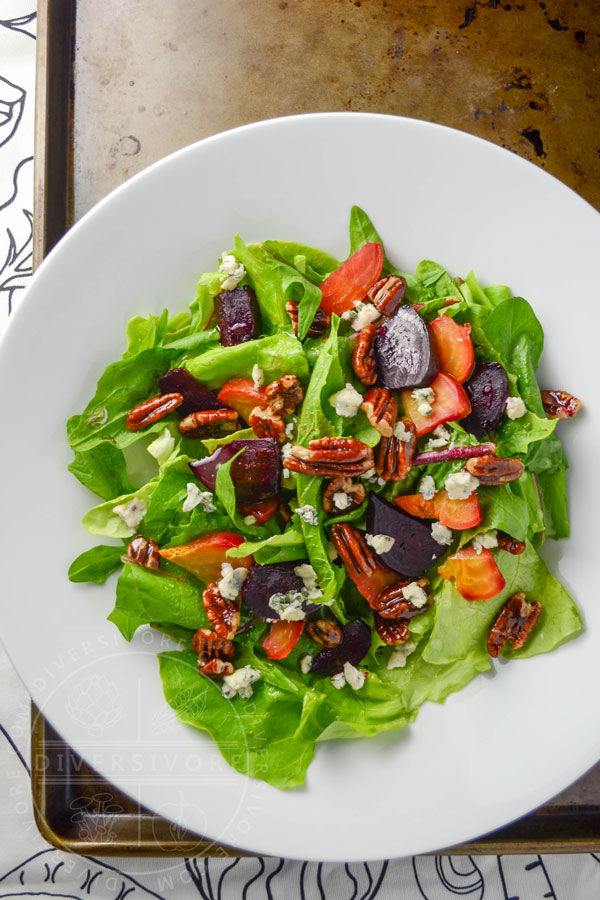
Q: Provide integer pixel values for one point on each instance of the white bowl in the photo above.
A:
(492, 752)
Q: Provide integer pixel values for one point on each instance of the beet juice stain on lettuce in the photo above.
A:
(328, 483)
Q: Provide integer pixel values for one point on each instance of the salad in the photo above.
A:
(328, 483)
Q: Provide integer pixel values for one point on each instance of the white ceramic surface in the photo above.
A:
(502, 746)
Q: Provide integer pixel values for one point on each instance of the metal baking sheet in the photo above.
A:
(112, 98)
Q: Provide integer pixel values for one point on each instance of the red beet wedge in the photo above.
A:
(406, 351)
(237, 315)
(195, 396)
(256, 474)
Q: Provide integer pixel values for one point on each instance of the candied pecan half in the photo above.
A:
(515, 622)
(151, 411)
(353, 550)
(494, 470)
(267, 424)
(319, 324)
(143, 553)
(363, 356)
(388, 293)
(223, 614)
(210, 645)
(391, 631)
(510, 544)
(324, 632)
(381, 409)
(391, 603)
(215, 668)
(560, 405)
(393, 457)
(284, 395)
(209, 423)
(331, 456)
(356, 494)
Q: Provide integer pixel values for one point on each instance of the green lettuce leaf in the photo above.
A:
(270, 737)
(102, 520)
(311, 258)
(463, 626)
(285, 547)
(277, 355)
(102, 470)
(275, 282)
(146, 595)
(96, 564)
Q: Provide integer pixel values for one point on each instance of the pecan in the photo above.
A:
(560, 405)
(319, 324)
(223, 614)
(393, 457)
(391, 603)
(325, 633)
(284, 395)
(494, 470)
(331, 456)
(391, 631)
(515, 622)
(354, 551)
(210, 645)
(388, 293)
(215, 668)
(209, 422)
(267, 423)
(381, 410)
(342, 485)
(262, 510)
(363, 356)
(510, 544)
(144, 553)
(151, 411)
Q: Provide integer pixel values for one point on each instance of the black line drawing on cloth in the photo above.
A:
(16, 750)
(458, 876)
(47, 867)
(537, 885)
(17, 267)
(20, 24)
(12, 103)
(15, 182)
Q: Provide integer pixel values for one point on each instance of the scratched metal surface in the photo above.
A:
(153, 76)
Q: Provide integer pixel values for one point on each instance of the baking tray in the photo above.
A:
(111, 99)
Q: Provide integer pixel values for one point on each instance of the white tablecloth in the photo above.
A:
(28, 865)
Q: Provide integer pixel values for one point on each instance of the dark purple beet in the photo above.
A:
(356, 640)
(274, 578)
(406, 351)
(487, 389)
(414, 551)
(195, 396)
(256, 474)
(237, 315)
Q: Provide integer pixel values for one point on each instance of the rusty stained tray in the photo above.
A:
(111, 99)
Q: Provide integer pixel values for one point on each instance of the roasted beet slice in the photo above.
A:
(406, 351)
(256, 474)
(238, 315)
(487, 389)
(356, 640)
(414, 551)
(195, 396)
(274, 578)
